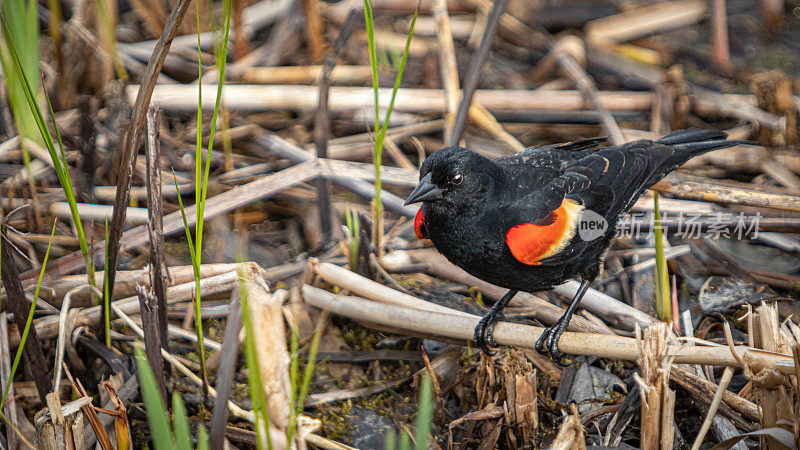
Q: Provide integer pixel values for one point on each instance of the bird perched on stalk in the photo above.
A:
(531, 220)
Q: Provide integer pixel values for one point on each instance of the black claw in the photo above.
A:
(484, 332)
(540, 343)
(548, 343)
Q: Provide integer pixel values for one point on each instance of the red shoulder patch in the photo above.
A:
(531, 242)
(419, 226)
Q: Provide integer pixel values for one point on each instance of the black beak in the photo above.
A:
(425, 190)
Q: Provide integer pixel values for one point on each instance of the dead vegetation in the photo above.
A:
(325, 322)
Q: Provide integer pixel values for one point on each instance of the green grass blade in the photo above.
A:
(662, 288)
(294, 367)
(107, 294)
(180, 422)
(185, 221)
(381, 129)
(202, 437)
(202, 172)
(399, 78)
(23, 28)
(307, 374)
(59, 161)
(390, 440)
(424, 414)
(373, 61)
(154, 405)
(405, 440)
(29, 321)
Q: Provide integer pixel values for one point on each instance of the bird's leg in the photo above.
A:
(484, 332)
(548, 341)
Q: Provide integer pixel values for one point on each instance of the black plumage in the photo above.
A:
(471, 202)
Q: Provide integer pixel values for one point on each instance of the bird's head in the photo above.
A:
(455, 177)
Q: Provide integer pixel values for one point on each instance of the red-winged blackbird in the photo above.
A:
(514, 221)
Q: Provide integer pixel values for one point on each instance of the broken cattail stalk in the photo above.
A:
(462, 328)
(521, 396)
(775, 401)
(269, 337)
(61, 426)
(158, 273)
(658, 400)
(149, 310)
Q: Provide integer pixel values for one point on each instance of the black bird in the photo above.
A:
(514, 221)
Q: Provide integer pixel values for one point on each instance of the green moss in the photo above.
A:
(360, 338)
(778, 58)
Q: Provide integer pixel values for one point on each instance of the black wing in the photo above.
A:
(606, 180)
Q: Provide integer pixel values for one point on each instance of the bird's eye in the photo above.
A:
(457, 178)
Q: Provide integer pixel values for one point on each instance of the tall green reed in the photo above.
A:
(28, 322)
(663, 295)
(202, 171)
(58, 157)
(381, 127)
(160, 429)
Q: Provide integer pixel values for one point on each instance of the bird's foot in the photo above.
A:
(484, 332)
(548, 343)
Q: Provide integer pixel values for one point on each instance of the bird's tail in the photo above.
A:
(692, 142)
(689, 143)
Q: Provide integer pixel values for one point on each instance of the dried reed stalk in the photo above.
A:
(342, 98)
(173, 222)
(305, 75)
(53, 291)
(460, 328)
(646, 20)
(616, 313)
(367, 288)
(47, 327)
(658, 400)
